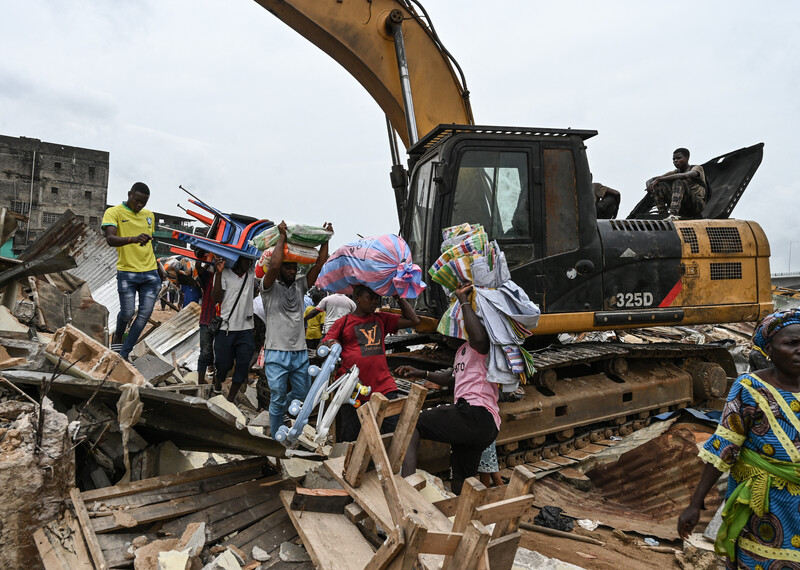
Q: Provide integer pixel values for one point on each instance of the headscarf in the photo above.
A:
(771, 324)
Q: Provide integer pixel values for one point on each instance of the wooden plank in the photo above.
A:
(471, 548)
(521, 483)
(78, 542)
(405, 426)
(178, 507)
(503, 510)
(472, 494)
(358, 458)
(369, 495)
(168, 480)
(396, 406)
(284, 531)
(321, 500)
(370, 431)
(491, 495)
(115, 548)
(224, 518)
(331, 540)
(439, 542)
(47, 552)
(256, 530)
(417, 481)
(354, 513)
(87, 530)
(502, 551)
(201, 486)
(388, 551)
(415, 535)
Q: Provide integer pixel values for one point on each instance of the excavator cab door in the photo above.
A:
(497, 184)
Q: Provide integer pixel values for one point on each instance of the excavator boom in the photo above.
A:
(357, 34)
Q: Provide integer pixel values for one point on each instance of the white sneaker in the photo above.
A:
(672, 217)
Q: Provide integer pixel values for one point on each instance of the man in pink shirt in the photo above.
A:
(472, 423)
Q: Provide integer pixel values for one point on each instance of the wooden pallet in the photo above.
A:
(230, 498)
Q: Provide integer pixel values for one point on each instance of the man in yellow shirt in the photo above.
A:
(129, 227)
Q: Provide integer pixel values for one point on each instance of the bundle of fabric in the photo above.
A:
(503, 307)
(381, 263)
(297, 234)
(461, 247)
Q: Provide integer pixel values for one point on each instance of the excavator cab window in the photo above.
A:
(492, 190)
(423, 198)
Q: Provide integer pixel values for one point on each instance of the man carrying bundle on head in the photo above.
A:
(285, 353)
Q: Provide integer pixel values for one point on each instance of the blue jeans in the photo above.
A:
(280, 367)
(233, 347)
(147, 284)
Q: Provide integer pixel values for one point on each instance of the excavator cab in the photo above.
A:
(530, 190)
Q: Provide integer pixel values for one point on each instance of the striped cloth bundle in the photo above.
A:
(454, 265)
(381, 263)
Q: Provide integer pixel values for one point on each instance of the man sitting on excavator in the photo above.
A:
(680, 193)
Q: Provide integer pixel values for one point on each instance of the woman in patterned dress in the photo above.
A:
(758, 440)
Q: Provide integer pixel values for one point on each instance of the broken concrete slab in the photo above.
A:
(260, 555)
(261, 420)
(174, 560)
(10, 327)
(67, 303)
(171, 460)
(222, 402)
(25, 312)
(291, 552)
(154, 369)
(89, 358)
(225, 561)
(8, 361)
(296, 468)
(30, 351)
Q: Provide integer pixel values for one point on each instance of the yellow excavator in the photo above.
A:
(531, 189)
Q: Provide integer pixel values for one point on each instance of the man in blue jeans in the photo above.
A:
(285, 353)
(129, 228)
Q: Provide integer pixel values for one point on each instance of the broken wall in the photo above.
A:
(33, 485)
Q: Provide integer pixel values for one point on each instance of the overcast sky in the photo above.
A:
(223, 98)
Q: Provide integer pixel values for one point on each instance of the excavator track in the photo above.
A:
(584, 394)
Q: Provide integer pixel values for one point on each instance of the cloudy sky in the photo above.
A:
(223, 98)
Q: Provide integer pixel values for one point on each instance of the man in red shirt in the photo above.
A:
(361, 335)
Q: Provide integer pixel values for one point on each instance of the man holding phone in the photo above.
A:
(129, 228)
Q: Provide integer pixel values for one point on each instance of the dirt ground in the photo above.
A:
(615, 555)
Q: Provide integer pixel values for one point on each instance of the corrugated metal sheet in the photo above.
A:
(107, 296)
(180, 334)
(644, 491)
(97, 261)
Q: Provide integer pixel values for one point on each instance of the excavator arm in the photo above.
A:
(358, 34)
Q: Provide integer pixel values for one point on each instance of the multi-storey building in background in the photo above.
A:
(41, 180)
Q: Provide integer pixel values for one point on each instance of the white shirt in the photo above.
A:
(335, 307)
